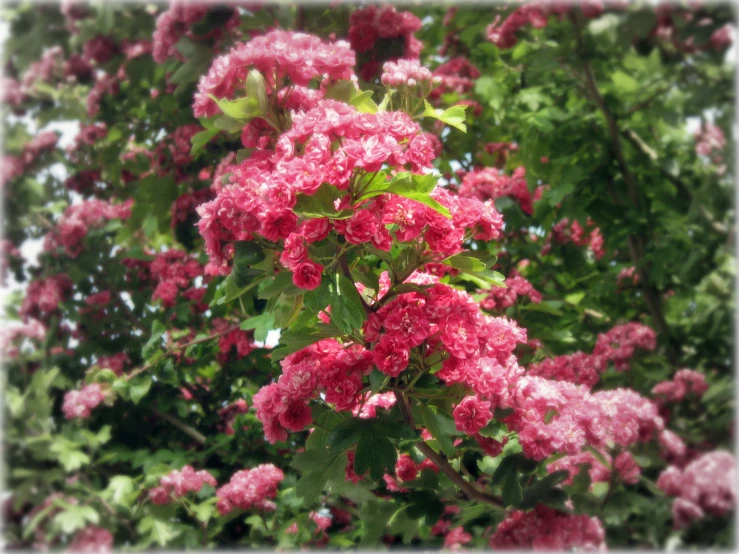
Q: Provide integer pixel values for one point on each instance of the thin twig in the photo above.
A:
(470, 490)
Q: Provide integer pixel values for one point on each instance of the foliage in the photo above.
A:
(135, 348)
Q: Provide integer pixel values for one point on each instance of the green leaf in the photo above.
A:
(543, 491)
(432, 420)
(319, 298)
(74, 518)
(292, 341)
(408, 185)
(342, 90)
(321, 204)
(466, 262)
(624, 83)
(119, 490)
(241, 109)
(494, 430)
(161, 532)
(313, 483)
(374, 453)
(139, 387)
(256, 88)
(346, 434)
(202, 138)
(363, 102)
(512, 494)
(347, 310)
(454, 116)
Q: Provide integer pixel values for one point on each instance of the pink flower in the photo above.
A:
(390, 356)
(472, 414)
(408, 326)
(296, 416)
(307, 275)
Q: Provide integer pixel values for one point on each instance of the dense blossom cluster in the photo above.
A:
(623, 464)
(565, 232)
(341, 144)
(179, 483)
(229, 413)
(13, 167)
(79, 403)
(250, 488)
(491, 183)
(404, 73)
(92, 540)
(685, 382)
(43, 297)
(13, 332)
(705, 485)
(536, 14)
(175, 272)
(177, 22)
(457, 75)
(710, 142)
(78, 219)
(617, 346)
(544, 528)
(556, 416)
(376, 30)
(277, 55)
(670, 18)
(516, 286)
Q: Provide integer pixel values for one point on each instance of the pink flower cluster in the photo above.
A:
(490, 183)
(277, 55)
(179, 483)
(12, 332)
(373, 24)
(77, 221)
(457, 75)
(624, 465)
(341, 143)
(618, 345)
(92, 540)
(236, 341)
(250, 488)
(544, 528)
(178, 21)
(626, 275)
(536, 14)
(175, 271)
(326, 364)
(684, 382)
(456, 538)
(672, 17)
(710, 142)
(229, 413)
(706, 485)
(404, 73)
(79, 403)
(115, 362)
(406, 469)
(503, 297)
(83, 181)
(565, 232)
(43, 297)
(556, 416)
(15, 166)
(368, 407)
(184, 207)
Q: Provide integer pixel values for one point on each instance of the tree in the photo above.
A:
(461, 278)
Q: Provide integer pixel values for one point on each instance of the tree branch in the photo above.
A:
(195, 434)
(469, 489)
(635, 243)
